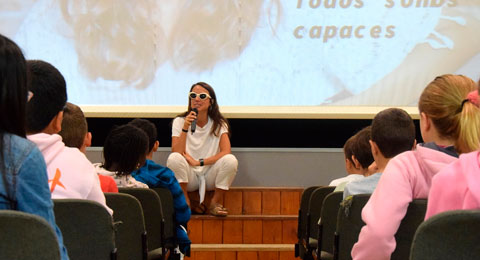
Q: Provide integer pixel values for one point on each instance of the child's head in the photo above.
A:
(393, 132)
(74, 128)
(150, 129)
(125, 149)
(13, 90)
(45, 109)
(445, 103)
(358, 155)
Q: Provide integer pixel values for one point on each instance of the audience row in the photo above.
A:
(404, 171)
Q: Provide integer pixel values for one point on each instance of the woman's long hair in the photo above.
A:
(213, 111)
(445, 100)
(13, 97)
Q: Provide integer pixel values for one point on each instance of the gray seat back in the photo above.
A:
(300, 249)
(328, 221)
(130, 233)
(315, 205)
(404, 236)
(87, 229)
(154, 218)
(349, 224)
(26, 236)
(168, 214)
(448, 235)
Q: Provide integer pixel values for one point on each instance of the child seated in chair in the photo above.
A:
(358, 158)
(464, 174)
(70, 173)
(156, 175)
(75, 134)
(392, 133)
(124, 151)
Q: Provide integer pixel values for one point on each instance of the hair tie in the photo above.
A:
(463, 103)
(472, 97)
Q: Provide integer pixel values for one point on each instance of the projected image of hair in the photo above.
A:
(116, 39)
(207, 32)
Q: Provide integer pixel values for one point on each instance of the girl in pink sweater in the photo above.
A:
(457, 186)
(443, 117)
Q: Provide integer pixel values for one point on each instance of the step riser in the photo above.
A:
(224, 231)
(269, 216)
(243, 247)
(257, 201)
(242, 255)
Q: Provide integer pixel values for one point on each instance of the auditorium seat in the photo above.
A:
(404, 236)
(26, 236)
(168, 210)
(160, 232)
(154, 220)
(327, 225)
(87, 229)
(130, 233)
(448, 235)
(300, 249)
(349, 224)
(315, 203)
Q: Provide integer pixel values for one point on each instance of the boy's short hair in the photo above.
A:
(74, 126)
(359, 146)
(149, 128)
(125, 149)
(49, 95)
(393, 131)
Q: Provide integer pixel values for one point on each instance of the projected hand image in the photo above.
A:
(448, 48)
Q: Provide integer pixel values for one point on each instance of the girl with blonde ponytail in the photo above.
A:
(452, 107)
(457, 186)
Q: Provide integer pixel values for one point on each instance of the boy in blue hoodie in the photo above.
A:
(156, 175)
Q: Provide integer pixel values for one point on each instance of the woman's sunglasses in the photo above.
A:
(202, 96)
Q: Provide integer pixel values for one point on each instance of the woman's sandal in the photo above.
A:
(218, 210)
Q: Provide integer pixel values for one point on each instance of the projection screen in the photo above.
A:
(261, 56)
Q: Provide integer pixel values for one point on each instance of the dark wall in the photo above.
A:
(270, 133)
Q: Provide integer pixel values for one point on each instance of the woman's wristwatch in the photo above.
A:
(202, 162)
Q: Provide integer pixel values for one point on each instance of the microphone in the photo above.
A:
(194, 123)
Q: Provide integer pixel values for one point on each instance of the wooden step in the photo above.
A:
(243, 229)
(260, 188)
(262, 224)
(242, 252)
(257, 200)
(243, 217)
(243, 247)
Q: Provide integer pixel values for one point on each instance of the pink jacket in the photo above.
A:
(457, 186)
(407, 176)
